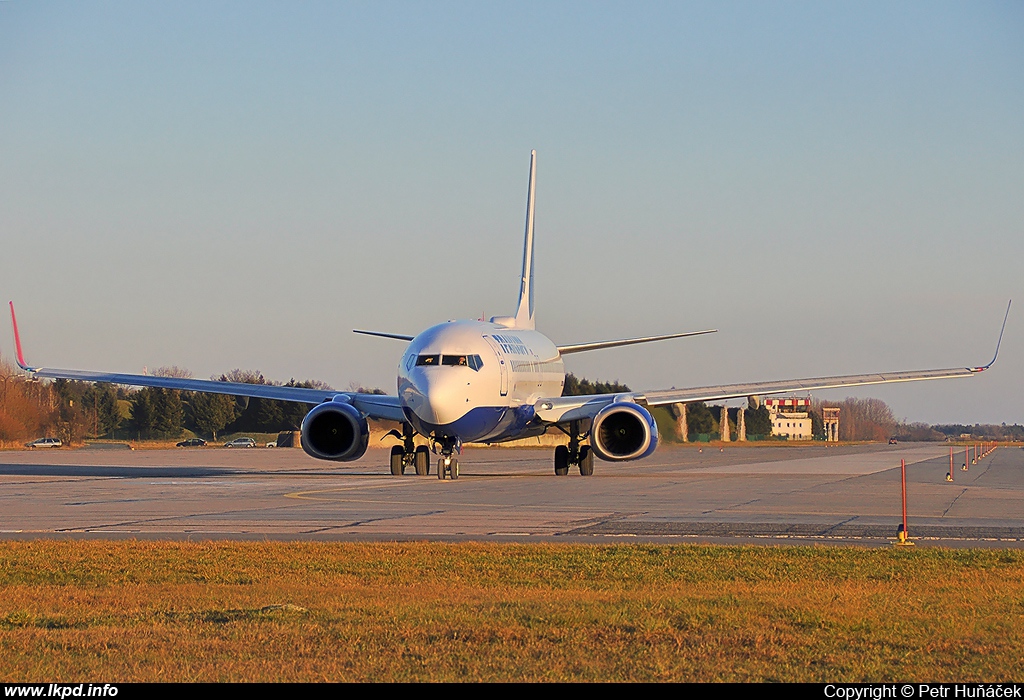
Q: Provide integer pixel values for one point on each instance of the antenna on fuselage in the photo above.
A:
(524, 313)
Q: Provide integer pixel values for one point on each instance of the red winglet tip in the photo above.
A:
(17, 339)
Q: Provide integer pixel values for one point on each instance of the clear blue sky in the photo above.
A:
(837, 187)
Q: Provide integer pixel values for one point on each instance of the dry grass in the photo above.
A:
(152, 611)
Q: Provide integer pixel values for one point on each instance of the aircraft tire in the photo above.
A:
(586, 461)
(561, 460)
(455, 469)
(422, 461)
(397, 461)
(440, 469)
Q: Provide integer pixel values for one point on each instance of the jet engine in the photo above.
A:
(335, 430)
(622, 431)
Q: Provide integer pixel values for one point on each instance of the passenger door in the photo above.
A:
(502, 365)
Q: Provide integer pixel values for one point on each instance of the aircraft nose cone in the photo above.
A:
(444, 399)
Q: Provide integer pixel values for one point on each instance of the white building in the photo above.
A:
(790, 417)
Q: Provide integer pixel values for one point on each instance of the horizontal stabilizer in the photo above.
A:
(396, 336)
(583, 347)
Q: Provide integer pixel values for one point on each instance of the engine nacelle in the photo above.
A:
(622, 431)
(335, 430)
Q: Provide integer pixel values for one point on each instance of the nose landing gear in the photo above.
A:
(448, 464)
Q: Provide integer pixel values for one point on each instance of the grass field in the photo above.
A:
(177, 611)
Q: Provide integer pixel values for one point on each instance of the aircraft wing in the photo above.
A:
(570, 408)
(372, 405)
(733, 391)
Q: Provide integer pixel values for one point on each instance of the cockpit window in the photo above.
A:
(427, 360)
(472, 361)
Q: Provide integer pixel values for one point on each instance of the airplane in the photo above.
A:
(491, 381)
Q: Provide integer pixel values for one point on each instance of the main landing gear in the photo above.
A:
(574, 454)
(408, 455)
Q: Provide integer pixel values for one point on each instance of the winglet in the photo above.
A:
(998, 342)
(524, 313)
(20, 356)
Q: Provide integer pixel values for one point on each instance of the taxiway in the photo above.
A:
(768, 494)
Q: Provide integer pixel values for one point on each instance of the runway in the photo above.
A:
(766, 494)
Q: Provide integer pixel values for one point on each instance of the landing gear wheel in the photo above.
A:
(586, 461)
(422, 460)
(561, 460)
(448, 466)
(397, 461)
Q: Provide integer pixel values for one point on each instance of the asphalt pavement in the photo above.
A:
(763, 494)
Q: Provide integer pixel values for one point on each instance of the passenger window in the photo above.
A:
(426, 361)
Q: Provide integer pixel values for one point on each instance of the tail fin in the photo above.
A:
(524, 314)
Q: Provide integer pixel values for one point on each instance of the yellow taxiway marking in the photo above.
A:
(312, 495)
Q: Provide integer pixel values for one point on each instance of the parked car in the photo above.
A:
(192, 442)
(893, 441)
(272, 444)
(45, 442)
(241, 442)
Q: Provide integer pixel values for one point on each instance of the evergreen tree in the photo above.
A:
(168, 413)
(699, 419)
(157, 413)
(817, 425)
(759, 422)
(267, 416)
(585, 387)
(99, 409)
(209, 413)
(142, 413)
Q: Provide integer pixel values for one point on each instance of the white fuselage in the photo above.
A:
(473, 381)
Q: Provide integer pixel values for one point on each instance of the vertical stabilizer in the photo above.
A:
(524, 313)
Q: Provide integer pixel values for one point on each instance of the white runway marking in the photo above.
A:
(866, 463)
